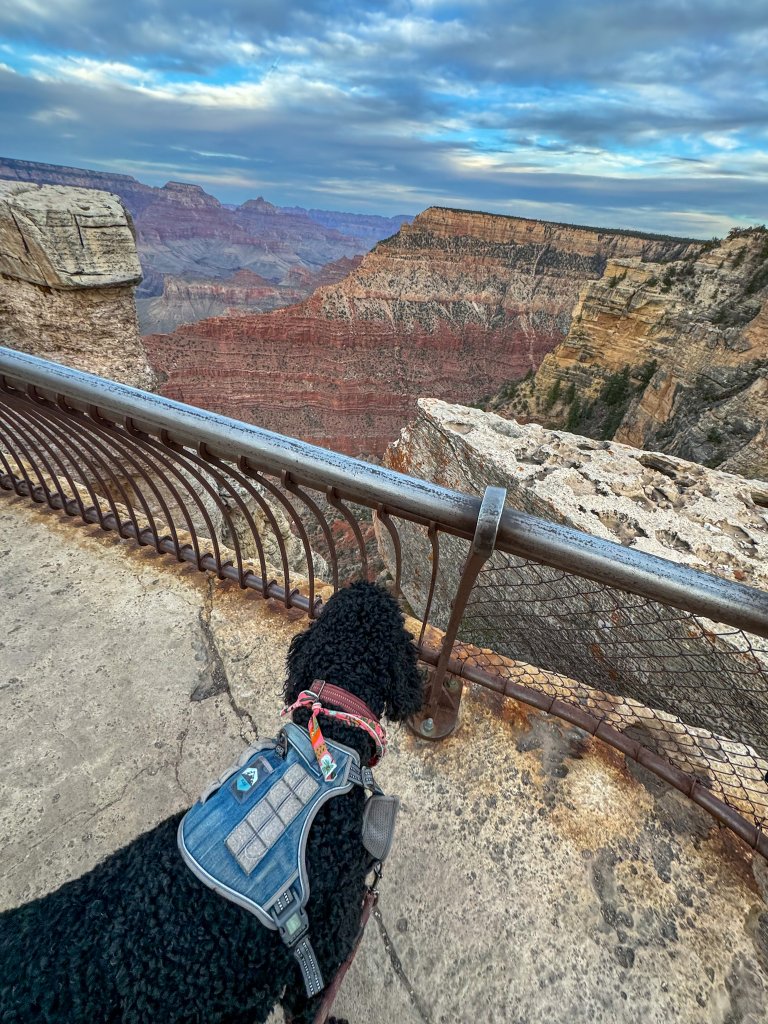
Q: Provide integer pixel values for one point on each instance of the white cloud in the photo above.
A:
(722, 140)
(54, 114)
(84, 69)
(202, 152)
(26, 12)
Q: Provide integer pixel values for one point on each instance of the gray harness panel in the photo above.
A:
(246, 838)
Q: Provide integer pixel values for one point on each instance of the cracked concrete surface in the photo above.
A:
(535, 875)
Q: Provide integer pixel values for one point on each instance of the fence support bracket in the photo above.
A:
(440, 714)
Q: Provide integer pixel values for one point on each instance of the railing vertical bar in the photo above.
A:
(293, 488)
(112, 436)
(76, 496)
(385, 518)
(153, 452)
(435, 545)
(88, 457)
(51, 473)
(106, 456)
(430, 722)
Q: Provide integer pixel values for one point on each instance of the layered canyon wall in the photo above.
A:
(450, 306)
(187, 300)
(668, 355)
(68, 265)
(191, 244)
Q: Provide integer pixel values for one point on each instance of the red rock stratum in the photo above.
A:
(451, 307)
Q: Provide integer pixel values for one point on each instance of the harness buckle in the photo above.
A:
(378, 871)
(281, 744)
(290, 918)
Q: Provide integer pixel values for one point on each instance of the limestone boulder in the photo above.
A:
(68, 264)
(65, 237)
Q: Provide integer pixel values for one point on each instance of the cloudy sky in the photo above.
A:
(649, 115)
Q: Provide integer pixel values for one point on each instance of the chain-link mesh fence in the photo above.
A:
(693, 691)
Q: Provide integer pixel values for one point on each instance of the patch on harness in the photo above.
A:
(243, 783)
(267, 820)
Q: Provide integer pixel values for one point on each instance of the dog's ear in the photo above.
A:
(405, 694)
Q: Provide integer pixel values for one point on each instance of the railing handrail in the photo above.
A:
(639, 572)
(231, 439)
(520, 533)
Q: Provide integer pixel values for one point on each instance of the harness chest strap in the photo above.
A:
(292, 922)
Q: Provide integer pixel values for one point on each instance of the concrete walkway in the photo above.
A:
(534, 878)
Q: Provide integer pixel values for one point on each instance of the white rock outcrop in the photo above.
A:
(65, 237)
(713, 521)
(68, 264)
(711, 677)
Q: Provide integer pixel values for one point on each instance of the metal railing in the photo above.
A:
(666, 664)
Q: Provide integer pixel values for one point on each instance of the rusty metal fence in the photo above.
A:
(666, 664)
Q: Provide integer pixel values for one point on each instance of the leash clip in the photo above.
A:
(378, 871)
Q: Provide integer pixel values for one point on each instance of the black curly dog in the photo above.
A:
(139, 940)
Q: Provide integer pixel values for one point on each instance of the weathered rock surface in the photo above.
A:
(68, 264)
(452, 305)
(587, 891)
(185, 234)
(65, 238)
(605, 638)
(671, 356)
(713, 521)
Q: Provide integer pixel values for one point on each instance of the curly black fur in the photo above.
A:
(140, 939)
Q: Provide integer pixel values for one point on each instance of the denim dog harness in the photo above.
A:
(246, 838)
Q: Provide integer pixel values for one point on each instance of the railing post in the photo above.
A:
(439, 716)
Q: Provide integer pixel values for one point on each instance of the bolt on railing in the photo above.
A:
(665, 663)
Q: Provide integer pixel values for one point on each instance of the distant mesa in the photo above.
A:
(183, 233)
(259, 205)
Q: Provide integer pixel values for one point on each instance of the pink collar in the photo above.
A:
(341, 699)
(353, 712)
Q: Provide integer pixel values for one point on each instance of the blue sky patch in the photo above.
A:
(648, 115)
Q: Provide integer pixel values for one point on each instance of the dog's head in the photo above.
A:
(359, 642)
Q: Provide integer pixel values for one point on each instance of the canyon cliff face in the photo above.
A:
(183, 234)
(451, 306)
(187, 299)
(671, 356)
(68, 265)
